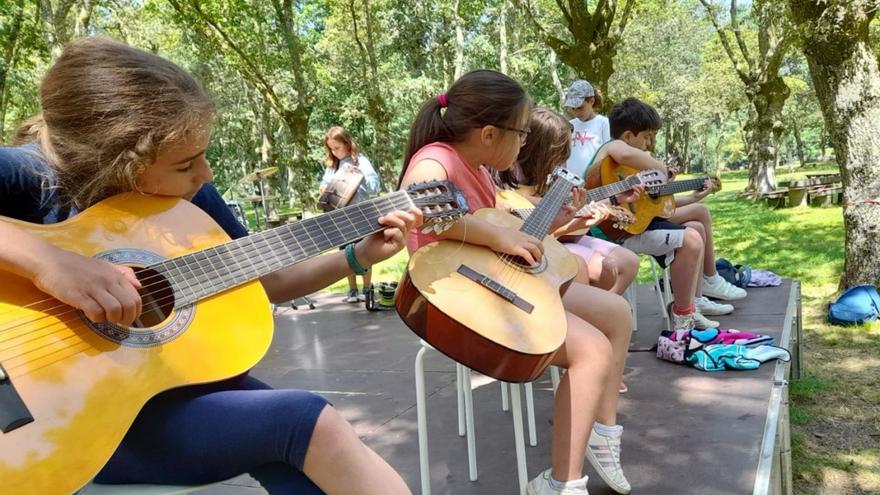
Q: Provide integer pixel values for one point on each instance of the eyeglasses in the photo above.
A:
(523, 133)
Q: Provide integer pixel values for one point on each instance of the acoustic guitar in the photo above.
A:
(490, 311)
(70, 388)
(657, 202)
(595, 205)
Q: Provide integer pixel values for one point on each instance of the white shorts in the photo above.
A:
(660, 244)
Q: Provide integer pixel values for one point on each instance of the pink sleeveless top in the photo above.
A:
(476, 185)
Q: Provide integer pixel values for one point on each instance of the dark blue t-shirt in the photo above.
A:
(27, 193)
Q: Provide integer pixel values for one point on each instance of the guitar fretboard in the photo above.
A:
(678, 186)
(593, 195)
(201, 274)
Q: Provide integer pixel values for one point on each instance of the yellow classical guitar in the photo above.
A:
(657, 202)
(70, 388)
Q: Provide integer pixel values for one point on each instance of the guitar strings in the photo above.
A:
(87, 346)
(263, 264)
(61, 325)
(236, 245)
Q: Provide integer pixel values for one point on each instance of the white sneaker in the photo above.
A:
(701, 322)
(541, 486)
(708, 307)
(603, 452)
(722, 289)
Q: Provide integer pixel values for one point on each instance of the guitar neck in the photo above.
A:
(679, 186)
(593, 195)
(605, 192)
(198, 275)
(538, 222)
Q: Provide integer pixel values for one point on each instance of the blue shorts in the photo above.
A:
(207, 433)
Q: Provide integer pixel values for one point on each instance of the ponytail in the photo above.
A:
(477, 99)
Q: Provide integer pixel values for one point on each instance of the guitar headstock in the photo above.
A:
(440, 202)
(566, 175)
(622, 217)
(652, 178)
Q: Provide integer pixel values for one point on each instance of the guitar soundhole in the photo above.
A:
(521, 264)
(157, 297)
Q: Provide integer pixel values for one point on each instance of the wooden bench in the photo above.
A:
(825, 195)
(775, 199)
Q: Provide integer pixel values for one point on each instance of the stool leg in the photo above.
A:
(530, 414)
(554, 377)
(469, 420)
(459, 395)
(422, 420)
(505, 403)
(516, 406)
(631, 296)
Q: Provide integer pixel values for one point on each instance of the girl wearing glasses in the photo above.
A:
(477, 127)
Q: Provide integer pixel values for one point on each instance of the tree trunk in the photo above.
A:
(459, 41)
(593, 36)
(557, 82)
(10, 58)
(502, 36)
(799, 142)
(844, 71)
(762, 155)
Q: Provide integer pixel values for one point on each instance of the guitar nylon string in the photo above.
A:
(237, 246)
(235, 243)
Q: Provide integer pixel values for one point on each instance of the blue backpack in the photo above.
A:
(857, 304)
(738, 275)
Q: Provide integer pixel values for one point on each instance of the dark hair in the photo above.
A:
(548, 146)
(476, 99)
(632, 115)
(107, 111)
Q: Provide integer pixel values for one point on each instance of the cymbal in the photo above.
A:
(260, 173)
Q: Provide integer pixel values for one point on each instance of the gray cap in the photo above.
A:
(577, 93)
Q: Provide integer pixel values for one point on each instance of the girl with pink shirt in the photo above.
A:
(478, 126)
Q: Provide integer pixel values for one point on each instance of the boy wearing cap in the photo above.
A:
(589, 130)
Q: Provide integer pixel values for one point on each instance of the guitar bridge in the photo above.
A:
(13, 412)
(496, 287)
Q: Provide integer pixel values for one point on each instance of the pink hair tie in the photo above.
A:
(442, 99)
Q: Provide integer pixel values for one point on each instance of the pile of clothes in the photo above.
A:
(718, 349)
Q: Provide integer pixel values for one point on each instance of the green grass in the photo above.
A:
(835, 407)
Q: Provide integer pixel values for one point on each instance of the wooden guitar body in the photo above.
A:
(509, 340)
(84, 389)
(645, 209)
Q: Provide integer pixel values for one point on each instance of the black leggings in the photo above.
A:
(207, 433)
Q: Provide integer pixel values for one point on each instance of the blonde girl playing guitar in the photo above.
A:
(478, 125)
(117, 119)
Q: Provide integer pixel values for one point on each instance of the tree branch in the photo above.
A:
(734, 24)
(249, 69)
(710, 13)
(553, 42)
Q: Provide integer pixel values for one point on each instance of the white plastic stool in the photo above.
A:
(464, 397)
(664, 294)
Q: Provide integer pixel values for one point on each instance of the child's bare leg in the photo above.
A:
(685, 267)
(698, 212)
(339, 462)
(587, 356)
(610, 314)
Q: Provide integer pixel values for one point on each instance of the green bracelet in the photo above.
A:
(353, 262)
